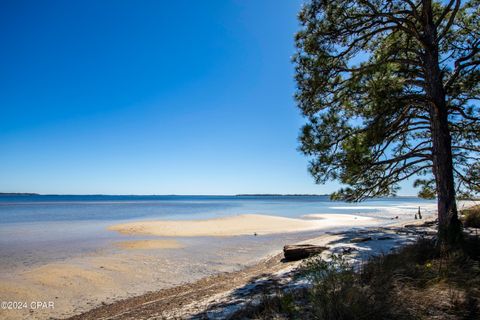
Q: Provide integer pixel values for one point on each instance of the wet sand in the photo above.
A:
(149, 244)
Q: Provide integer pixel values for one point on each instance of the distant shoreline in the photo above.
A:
(240, 195)
(180, 195)
(168, 195)
(8, 194)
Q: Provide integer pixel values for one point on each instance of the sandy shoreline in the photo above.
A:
(219, 296)
(141, 265)
(245, 224)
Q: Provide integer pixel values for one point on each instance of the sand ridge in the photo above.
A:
(245, 224)
(336, 217)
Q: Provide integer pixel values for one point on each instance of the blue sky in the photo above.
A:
(150, 97)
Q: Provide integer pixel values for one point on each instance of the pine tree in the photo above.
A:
(390, 91)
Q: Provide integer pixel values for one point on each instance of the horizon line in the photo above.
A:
(181, 195)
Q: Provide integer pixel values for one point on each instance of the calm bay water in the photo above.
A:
(74, 208)
(38, 229)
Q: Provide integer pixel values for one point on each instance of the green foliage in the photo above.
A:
(427, 190)
(363, 90)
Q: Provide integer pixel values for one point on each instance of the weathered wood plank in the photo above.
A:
(301, 251)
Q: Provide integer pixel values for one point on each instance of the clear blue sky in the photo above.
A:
(150, 97)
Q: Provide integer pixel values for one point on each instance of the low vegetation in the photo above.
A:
(416, 282)
(471, 217)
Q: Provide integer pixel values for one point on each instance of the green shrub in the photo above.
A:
(471, 217)
(337, 292)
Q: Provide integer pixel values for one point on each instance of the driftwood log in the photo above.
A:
(360, 239)
(301, 251)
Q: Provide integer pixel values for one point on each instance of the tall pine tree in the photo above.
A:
(390, 91)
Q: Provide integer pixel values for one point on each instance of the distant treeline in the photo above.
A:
(17, 194)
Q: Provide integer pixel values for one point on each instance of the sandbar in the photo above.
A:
(245, 224)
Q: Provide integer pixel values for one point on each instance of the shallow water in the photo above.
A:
(39, 229)
(45, 208)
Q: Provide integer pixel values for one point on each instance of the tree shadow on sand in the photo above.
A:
(292, 293)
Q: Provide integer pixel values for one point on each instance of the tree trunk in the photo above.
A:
(449, 226)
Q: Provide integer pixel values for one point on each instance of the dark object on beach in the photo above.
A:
(429, 223)
(348, 250)
(419, 213)
(360, 239)
(385, 238)
(301, 251)
(255, 234)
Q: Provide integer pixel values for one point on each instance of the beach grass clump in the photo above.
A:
(418, 281)
(471, 217)
(337, 291)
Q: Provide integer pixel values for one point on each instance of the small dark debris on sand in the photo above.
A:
(360, 239)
